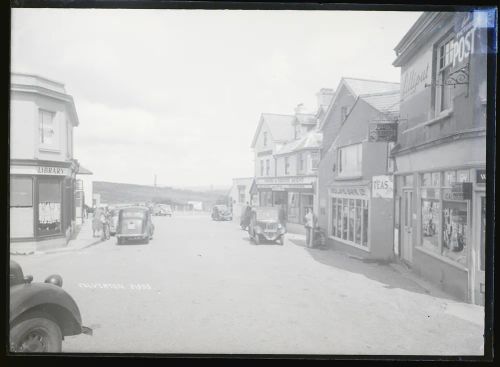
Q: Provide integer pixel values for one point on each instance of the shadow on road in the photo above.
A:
(377, 271)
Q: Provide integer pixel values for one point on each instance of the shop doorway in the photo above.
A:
(407, 227)
(479, 249)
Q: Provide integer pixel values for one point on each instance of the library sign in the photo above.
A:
(39, 170)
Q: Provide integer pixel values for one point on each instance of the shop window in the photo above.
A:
(455, 231)
(350, 220)
(482, 251)
(349, 160)
(49, 207)
(21, 207)
(294, 207)
(430, 224)
(48, 130)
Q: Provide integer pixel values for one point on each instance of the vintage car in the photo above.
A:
(221, 212)
(134, 223)
(265, 224)
(41, 314)
(162, 210)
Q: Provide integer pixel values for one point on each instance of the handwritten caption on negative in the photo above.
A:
(132, 286)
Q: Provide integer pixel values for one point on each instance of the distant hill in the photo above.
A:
(116, 193)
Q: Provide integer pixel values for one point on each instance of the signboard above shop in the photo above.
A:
(382, 131)
(292, 180)
(382, 187)
(39, 170)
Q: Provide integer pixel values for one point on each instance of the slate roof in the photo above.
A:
(366, 86)
(387, 103)
(311, 140)
(280, 126)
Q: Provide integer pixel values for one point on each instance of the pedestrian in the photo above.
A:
(85, 210)
(96, 223)
(309, 223)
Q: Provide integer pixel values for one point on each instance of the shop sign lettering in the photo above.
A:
(481, 176)
(41, 170)
(285, 180)
(413, 79)
(349, 191)
(382, 187)
(463, 44)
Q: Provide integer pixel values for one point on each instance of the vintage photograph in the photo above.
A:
(279, 182)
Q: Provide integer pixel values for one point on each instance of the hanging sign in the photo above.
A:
(382, 131)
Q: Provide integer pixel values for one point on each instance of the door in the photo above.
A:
(479, 247)
(407, 227)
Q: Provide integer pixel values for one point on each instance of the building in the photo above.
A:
(42, 167)
(440, 156)
(287, 151)
(360, 189)
(347, 95)
(239, 195)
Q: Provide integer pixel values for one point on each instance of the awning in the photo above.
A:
(83, 171)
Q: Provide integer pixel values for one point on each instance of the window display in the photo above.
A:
(350, 220)
(455, 231)
(430, 223)
(49, 207)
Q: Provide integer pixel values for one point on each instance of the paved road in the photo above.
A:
(202, 287)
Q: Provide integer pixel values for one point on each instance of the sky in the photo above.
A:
(179, 93)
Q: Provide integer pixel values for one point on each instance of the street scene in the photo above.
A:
(249, 182)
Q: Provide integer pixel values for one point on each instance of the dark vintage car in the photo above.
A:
(134, 223)
(41, 314)
(265, 224)
(221, 212)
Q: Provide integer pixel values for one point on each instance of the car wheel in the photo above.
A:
(257, 239)
(36, 335)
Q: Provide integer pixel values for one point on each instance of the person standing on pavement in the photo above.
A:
(309, 223)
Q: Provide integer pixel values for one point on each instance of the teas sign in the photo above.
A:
(382, 187)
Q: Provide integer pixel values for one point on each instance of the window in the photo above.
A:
(350, 220)
(265, 138)
(390, 161)
(349, 160)
(268, 167)
(430, 224)
(301, 162)
(241, 193)
(262, 167)
(49, 206)
(21, 207)
(343, 113)
(455, 231)
(48, 131)
(287, 166)
(314, 160)
(445, 59)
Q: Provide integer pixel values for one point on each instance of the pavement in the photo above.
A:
(201, 286)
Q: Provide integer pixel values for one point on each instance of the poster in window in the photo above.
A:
(455, 231)
(430, 222)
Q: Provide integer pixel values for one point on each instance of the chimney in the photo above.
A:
(325, 96)
(300, 108)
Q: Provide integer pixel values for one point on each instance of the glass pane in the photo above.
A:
(455, 231)
(365, 224)
(426, 179)
(339, 220)
(463, 176)
(430, 222)
(449, 178)
(357, 235)
(334, 217)
(21, 192)
(352, 214)
(49, 207)
(345, 219)
(436, 179)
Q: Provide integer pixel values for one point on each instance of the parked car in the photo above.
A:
(134, 223)
(221, 212)
(162, 210)
(265, 224)
(41, 314)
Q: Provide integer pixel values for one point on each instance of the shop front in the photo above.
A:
(42, 207)
(295, 194)
(443, 233)
(360, 219)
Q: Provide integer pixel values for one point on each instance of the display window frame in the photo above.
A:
(365, 233)
(60, 181)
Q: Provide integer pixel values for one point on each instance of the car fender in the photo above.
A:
(46, 298)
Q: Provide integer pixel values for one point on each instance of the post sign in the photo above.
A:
(382, 187)
(382, 131)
